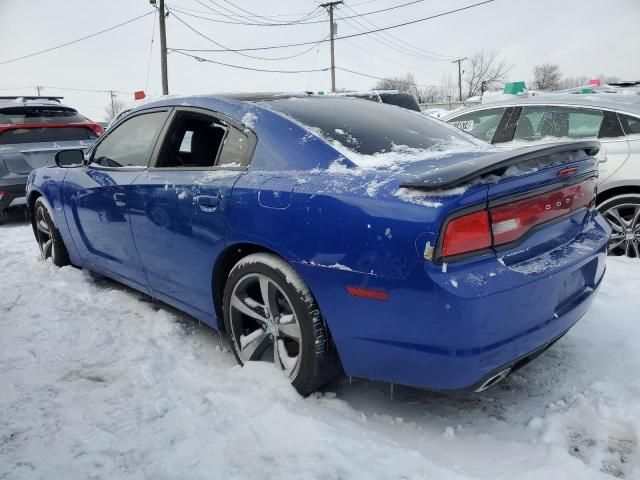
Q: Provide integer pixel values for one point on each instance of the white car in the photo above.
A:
(614, 120)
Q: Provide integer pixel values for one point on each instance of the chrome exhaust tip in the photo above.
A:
(491, 381)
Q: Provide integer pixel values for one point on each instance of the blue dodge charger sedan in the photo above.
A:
(330, 234)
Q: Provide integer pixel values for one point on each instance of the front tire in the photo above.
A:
(48, 236)
(623, 214)
(270, 314)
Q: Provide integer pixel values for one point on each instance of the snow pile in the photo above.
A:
(401, 155)
(97, 382)
(249, 119)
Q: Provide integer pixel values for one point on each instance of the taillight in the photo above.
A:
(467, 233)
(97, 129)
(508, 223)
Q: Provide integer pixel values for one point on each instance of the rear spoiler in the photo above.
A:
(454, 175)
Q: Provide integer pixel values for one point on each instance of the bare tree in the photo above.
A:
(448, 89)
(484, 68)
(444, 92)
(546, 76)
(403, 84)
(114, 108)
(571, 82)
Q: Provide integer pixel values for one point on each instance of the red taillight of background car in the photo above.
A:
(467, 233)
(96, 128)
(508, 223)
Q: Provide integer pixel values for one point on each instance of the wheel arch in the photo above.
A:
(226, 260)
(31, 204)
(617, 191)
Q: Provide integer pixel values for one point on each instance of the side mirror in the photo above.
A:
(69, 158)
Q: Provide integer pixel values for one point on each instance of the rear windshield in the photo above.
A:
(369, 128)
(53, 114)
(45, 134)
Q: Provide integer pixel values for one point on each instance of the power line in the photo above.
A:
(305, 16)
(388, 59)
(197, 32)
(421, 51)
(75, 41)
(153, 35)
(247, 11)
(247, 20)
(85, 90)
(382, 78)
(389, 43)
(69, 89)
(411, 22)
(291, 23)
(241, 67)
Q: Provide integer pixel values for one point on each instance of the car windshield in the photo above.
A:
(52, 114)
(365, 128)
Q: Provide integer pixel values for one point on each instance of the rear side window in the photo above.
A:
(368, 127)
(483, 124)
(538, 122)
(236, 150)
(22, 115)
(45, 134)
(131, 142)
(631, 125)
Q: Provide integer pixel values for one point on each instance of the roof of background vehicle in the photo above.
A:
(29, 101)
(613, 101)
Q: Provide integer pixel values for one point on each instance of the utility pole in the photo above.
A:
(113, 96)
(330, 6)
(39, 88)
(459, 62)
(163, 48)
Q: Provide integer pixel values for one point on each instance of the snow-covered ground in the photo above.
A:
(97, 382)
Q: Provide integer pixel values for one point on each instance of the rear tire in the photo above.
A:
(286, 327)
(623, 214)
(48, 236)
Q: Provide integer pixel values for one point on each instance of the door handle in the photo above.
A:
(120, 199)
(208, 203)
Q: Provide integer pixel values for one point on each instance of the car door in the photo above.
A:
(97, 196)
(550, 123)
(179, 206)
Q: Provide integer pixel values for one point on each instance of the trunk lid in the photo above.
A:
(535, 200)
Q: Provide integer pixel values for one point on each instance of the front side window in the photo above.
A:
(130, 144)
(483, 124)
(197, 140)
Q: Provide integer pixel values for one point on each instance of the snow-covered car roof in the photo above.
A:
(26, 101)
(626, 103)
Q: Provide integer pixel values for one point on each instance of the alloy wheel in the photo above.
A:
(625, 223)
(44, 235)
(264, 325)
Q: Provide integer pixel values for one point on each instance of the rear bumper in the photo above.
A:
(14, 194)
(454, 329)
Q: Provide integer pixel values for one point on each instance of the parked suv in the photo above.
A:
(612, 119)
(32, 130)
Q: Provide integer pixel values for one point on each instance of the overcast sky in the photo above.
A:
(585, 37)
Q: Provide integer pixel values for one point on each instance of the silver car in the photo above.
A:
(613, 119)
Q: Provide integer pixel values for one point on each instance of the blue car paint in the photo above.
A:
(443, 327)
